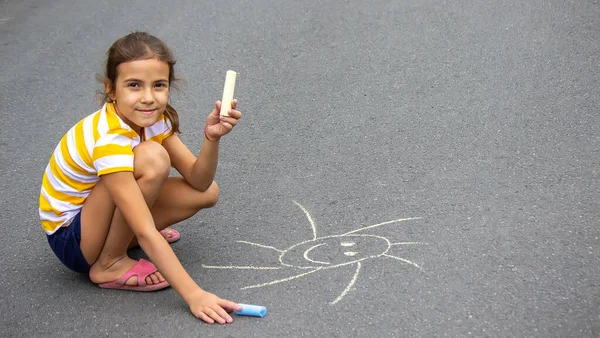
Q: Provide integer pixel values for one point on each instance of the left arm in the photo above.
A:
(200, 171)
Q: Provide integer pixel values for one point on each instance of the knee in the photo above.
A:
(211, 196)
(151, 161)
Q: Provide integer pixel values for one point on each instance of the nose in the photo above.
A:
(147, 96)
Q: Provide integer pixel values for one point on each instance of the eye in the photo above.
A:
(162, 85)
(133, 85)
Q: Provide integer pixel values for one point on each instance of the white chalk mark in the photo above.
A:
(309, 250)
(310, 220)
(292, 252)
(280, 280)
(403, 260)
(295, 250)
(409, 243)
(5, 19)
(241, 267)
(261, 245)
(379, 224)
(349, 285)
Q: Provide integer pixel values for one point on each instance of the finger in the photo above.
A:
(229, 306)
(226, 126)
(221, 312)
(217, 109)
(235, 114)
(234, 103)
(214, 315)
(230, 120)
(205, 317)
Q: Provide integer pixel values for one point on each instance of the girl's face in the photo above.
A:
(141, 92)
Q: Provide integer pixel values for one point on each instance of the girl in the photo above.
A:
(106, 188)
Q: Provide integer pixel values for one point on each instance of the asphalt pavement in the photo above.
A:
(403, 168)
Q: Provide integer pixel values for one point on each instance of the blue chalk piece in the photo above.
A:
(252, 310)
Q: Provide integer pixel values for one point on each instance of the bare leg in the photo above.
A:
(105, 235)
(178, 201)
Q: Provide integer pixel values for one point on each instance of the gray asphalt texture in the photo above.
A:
(480, 118)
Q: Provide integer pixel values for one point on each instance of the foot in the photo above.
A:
(171, 235)
(100, 274)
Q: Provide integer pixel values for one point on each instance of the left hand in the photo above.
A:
(217, 125)
(210, 308)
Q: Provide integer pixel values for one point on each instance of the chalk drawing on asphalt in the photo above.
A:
(328, 252)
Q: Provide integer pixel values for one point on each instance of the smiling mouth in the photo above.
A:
(309, 250)
(147, 112)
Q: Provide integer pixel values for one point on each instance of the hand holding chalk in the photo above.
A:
(252, 310)
(220, 121)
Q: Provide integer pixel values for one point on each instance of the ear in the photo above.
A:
(108, 89)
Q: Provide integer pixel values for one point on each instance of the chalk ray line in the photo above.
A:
(352, 281)
(379, 224)
(408, 243)
(310, 220)
(279, 280)
(261, 245)
(404, 260)
(241, 267)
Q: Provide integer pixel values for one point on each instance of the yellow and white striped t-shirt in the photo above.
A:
(97, 145)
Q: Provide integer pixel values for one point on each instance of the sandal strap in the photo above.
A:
(141, 269)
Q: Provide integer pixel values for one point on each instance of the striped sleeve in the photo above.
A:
(168, 128)
(112, 152)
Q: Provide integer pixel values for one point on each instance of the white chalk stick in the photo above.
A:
(228, 92)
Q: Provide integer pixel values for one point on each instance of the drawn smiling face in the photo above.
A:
(334, 251)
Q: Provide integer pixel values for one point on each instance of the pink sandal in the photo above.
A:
(175, 235)
(141, 269)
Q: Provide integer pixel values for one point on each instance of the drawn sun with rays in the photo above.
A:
(328, 252)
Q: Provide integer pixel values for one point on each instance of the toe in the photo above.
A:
(167, 233)
(155, 279)
(151, 279)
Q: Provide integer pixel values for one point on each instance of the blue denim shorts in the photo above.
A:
(65, 244)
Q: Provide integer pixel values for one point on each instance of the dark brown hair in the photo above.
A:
(140, 46)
